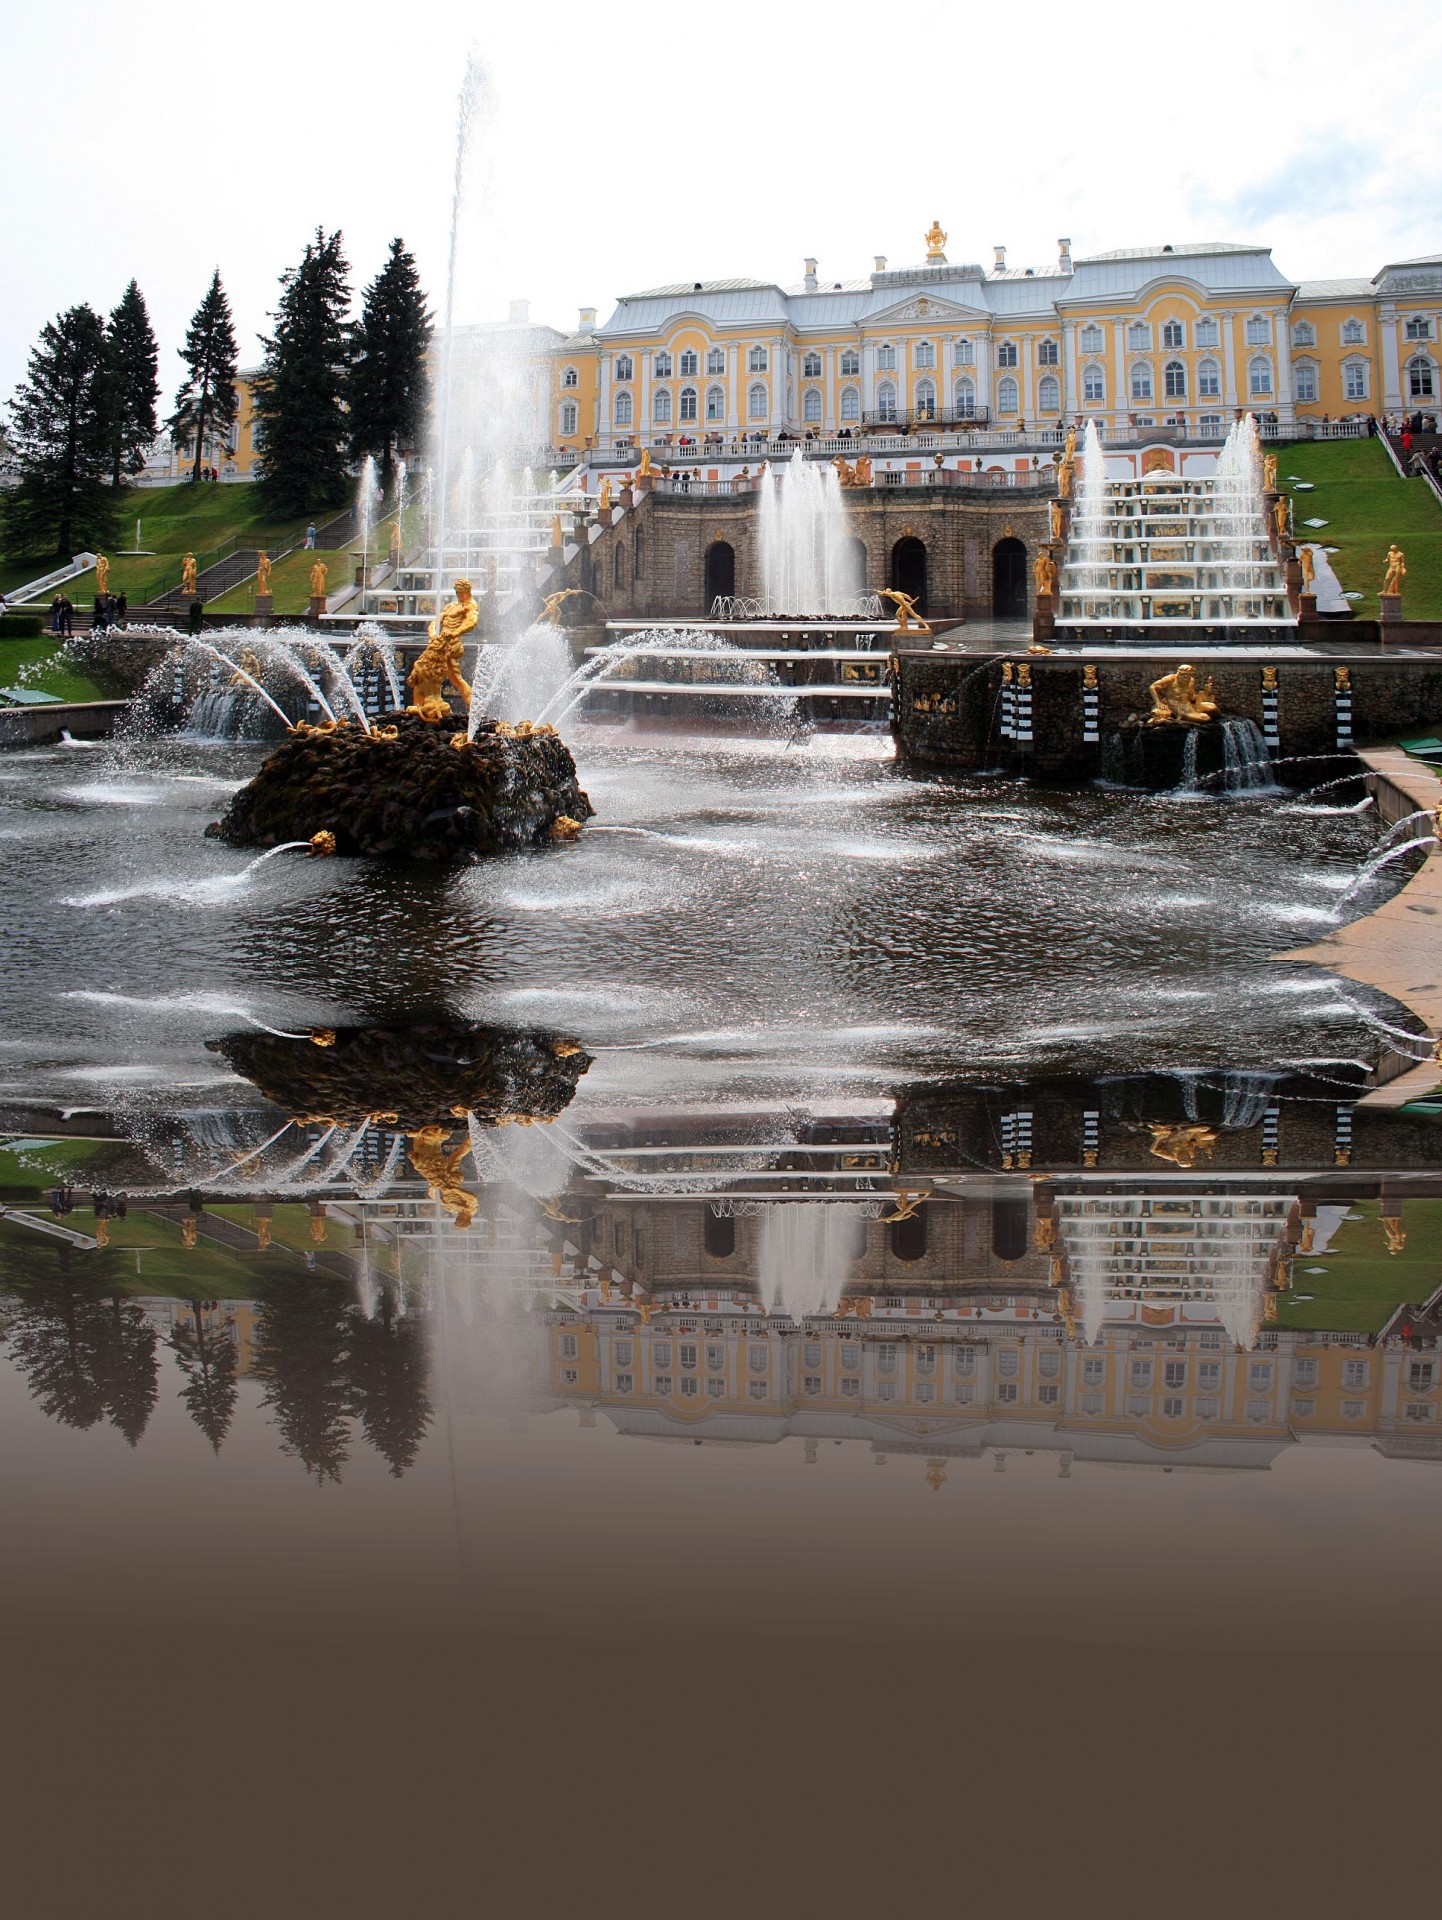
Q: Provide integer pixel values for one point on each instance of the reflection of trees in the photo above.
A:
(208, 1358)
(389, 1365)
(302, 1350)
(87, 1352)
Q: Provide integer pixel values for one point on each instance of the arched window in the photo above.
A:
(1006, 395)
(569, 417)
(908, 1236)
(715, 403)
(1174, 334)
(964, 397)
(1048, 354)
(1207, 332)
(1304, 382)
(1174, 380)
(1419, 327)
(1141, 381)
(719, 1234)
(716, 360)
(570, 378)
(926, 399)
(1006, 354)
(1354, 379)
(811, 405)
(756, 402)
(688, 401)
(690, 365)
(1209, 380)
(811, 366)
(1421, 378)
(623, 366)
(757, 360)
(886, 401)
(623, 409)
(924, 354)
(661, 365)
(1091, 339)
(850, 362)
(1353, 333)
(1094, 384)
(1139, 335)
(886, 357)
(850, 404)
(1259, 330)
(661, 407)
(1048, 394)
(618, 567)
(1259, 378)
(1304, 334)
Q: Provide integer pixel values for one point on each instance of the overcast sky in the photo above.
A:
(625, 146)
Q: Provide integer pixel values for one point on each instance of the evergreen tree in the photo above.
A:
(87, 1353)
(127, 1370)
(207, 403)
(208, 1359)
(302, 1345)
(300, 396)
(388, 386)
(61, 430)
(389, 1374)
(135, 387)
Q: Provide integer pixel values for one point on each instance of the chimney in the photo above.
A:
(588, 320)
(810, 276)
(1000, 266)
(1063, 255)
(520, 313)
(880, 263)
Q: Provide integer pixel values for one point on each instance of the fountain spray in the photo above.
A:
(473, 90)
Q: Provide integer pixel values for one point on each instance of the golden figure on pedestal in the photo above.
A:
(1396, 571)
(102, 574)
(317, 580)
(1269, 472)
(908, 620)
(1044, 572)
(263, 564)
(440, 663)
(1307, 561)
(187, 575)
(1177, 697)
(1056, 521)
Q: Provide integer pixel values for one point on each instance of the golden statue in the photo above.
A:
(1181, 1145)
(645, 1309)
(1396, 571)
(188, 1228)
(1177, 697)
(441, 1172)
(907, 1202)
(262, 1234)
(645, 470)
(1045, 1232)
(441, 660)
(1279, 516)
(1396, 1233)
(1044, 572)
(1309, 569)
(1057, 519)
(1069, 453)
(393, 537)
(102, 1232)
(553, 602)
(1269, 472)
(605, 496)
(558, 537)
(317, 580)
(908, 620)
(187, 575)
(1065, 474)
(862, 470)
(247, 670)
(262, 571)
(845, 472)
(102, 574)
(936, 243)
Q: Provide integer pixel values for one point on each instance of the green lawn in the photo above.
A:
(289, 583)
(62, 679)
(1366, 508)
(155, 1260)
(1359, 1283)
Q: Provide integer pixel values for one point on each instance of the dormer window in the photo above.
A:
(1419, 327)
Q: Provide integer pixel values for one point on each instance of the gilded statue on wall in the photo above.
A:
(1395, 1232)
(1396, 571)
(605, 497)
(1065, 474)
(845, 472)
(1057, 520)
(1308, 564)
(1269, 472)
(552, 604)
(908, 620)
(1182, 1146)
(1044, 573)
(262, 572)
(1279, 517)
(645, 469)
(1177, 697)
(102, 574)
(440, 662)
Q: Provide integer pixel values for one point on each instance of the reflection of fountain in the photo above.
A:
(806, 1251)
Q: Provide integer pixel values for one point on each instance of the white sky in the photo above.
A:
(637, 144)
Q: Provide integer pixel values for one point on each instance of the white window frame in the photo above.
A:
(758, 360)
(689, 364)
(1008, 395)
(850, 365)
(1259, 378)
(757, 404)
(850, 405)
(715, 403)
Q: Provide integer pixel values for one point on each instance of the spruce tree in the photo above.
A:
(300, 396)
(207, 403)
(388, 387)
(61, 431)
(135, 387)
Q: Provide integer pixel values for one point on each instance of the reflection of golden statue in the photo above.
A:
(558, 536)
(936, 242)
(188, 1228)
(936, 1475)
(908, 620)
(1394, 1230)
(102, 1231)
(1177, 697)
(102, 574)
(319, 1229)
(262, 571)
(907, 1202)
(1045, 1231)
(441, 1172)
(1181, 1145)
(1269, 472)
(1308, 564)
(645, 469)
(1396, 570)
(187, 575)
(1279, 516)
(440, 663)
(262, 1234)
(1057, 518)
(1044, 572)
(317, 580)
(605, 498)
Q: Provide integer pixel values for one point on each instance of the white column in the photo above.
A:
(983, 371)
(1386, 324)
(830, 405)
(732, 380)
(643, 398)
(1026, 353)
(1229, 359)
(1281, 341)
(868, 376)
(777, 352)
(1121, 396)
(603, 403)
(1070, 389)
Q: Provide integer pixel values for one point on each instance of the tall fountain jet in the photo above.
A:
(810, 565)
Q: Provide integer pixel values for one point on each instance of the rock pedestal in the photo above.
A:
(265, 605)
(317, 606)
(1391, 608)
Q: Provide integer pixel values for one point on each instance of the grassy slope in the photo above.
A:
(1367, 507)
(289, 583)
(1359, 1282)
(63, 680)
(164, 1265)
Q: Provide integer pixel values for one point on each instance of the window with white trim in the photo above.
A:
(1304, 383)
(886, 357)
(690, 364)
(570, 378)
(924, 354)
(963, 353)
(623, 366)
(1094, 384)
(1208, 1409)
(1174, 1373)
(886, 1360)
(758, 360)
(1091, 339)
(1259, 1375)
(1048, 1364)
(715, 1358)
(570, 416)
(1304, 334)
(1419, 1410)
(851, 1389)
(758, 1390)
(1091, 1403)
(1421, 1376)
(811, 405)
(1173, 1406)
(661, 365)
(716, 360)
(661, 407)
(1304, 1373)
(1094, 1369)
(569, 1346)
(1007, 1393)
(756, 402)
(1354, 1373)
(1259, 378)
(623, 1353)
(1008, 1363)
(1419, 327)
(1421, 378)
(1139, 335)
(1174, 380)
(963, 1362)
(886, 401)
(1141, 1373)
(625, 1383)
(690, 1386)
(926, 399)
(1174, 334)
(689, 404)
(1006, 354)
(811, 366)
(715, 403)
(964, 397)
(963, 1393)
(1259, 330)
(715, 1388)
(1048, 394)
(850, 362)
(1354, 1409)
(1006, 396)
(1141, 378)
(811, 1384)
(1354, 333)
(1354, 379)
(623, 409)
(1209, 1373)
(850, 403)
(1048, 354)
(687, 1355)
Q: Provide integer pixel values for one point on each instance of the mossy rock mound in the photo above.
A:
(424, 1076)
(413, 789)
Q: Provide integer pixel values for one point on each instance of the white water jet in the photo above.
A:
(805, 1255)
(810, 565)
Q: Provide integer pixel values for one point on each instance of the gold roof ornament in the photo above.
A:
(936, 245)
